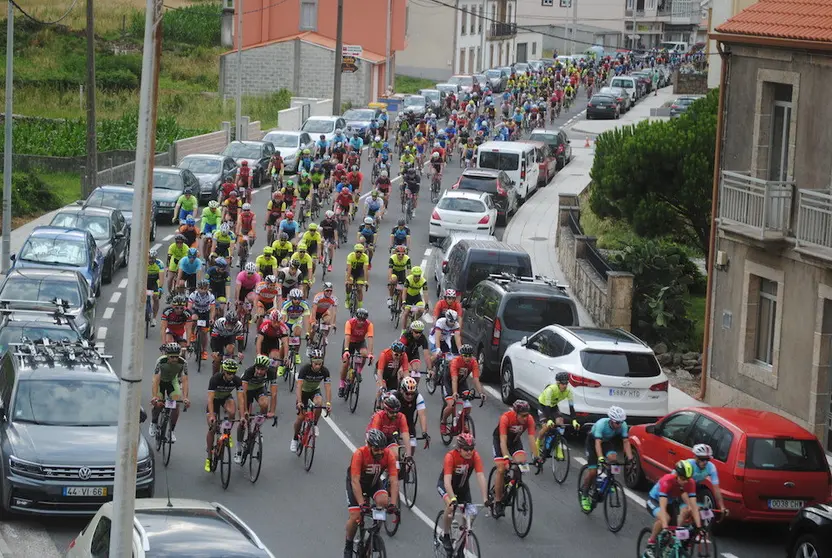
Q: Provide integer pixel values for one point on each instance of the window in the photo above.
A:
(462, 60)
(508, 19)
(309, 15)
(464, 20)
(471, 55)
(620, 364)
(547, 3)
(530, 313)
(785, 454)
(766, 315)
(676, 427)
(489, 304)
(721, 443)
(474, 11)
(781, 115)
(100, 543)
(707, 431)
(534, 49)
(479, 21)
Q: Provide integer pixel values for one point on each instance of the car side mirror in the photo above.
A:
(13, 257)
(89, 304)
(79, 202)
(650, 428)
(524, 341)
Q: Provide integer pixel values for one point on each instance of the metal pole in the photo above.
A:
(387, 73)
(7, 147)
(484, 24)
(339, 45)
(574, 35)
(238, 122)
(92, 142)
(633, 39)
(124, 493)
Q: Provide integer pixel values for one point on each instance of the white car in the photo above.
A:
(326, 125)
(290, 144)
(462, 210)
(444, 248)
(606, 367)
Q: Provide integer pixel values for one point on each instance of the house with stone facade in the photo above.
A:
(770, 341)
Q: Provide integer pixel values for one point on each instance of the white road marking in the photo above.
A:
(123, 283)
(423, 264)
(156, 247)
(428, 252)
(108, 313)
(102, 334)
(115, 298)
(493, 392)
(728, 555)
(168, 237)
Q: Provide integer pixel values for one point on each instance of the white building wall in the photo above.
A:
(600, 13)
(430, 42)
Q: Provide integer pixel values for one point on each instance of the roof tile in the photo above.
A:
(807, 20)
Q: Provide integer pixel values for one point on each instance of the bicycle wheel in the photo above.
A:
(353, 394)
(309, 449)
(255, 458)
(469, 425)
(522, 510)
(438, 547)
(167, 443)
(410, 484)
(198, 351)
(490, 485)
(391, 524)
(225, 465)
(408, 211)
(291, 372)
(301, 435)
(377, 549)
(643, 541)
(584, 471)
(430, 383)
(472, 546)
(705, 548)
(447, 436)
(160, 438)
(615, 504)
(560, 460)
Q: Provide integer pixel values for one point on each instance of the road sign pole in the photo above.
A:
(7, 145)
(339, 44)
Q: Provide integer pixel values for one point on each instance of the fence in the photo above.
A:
(21, 161)
(302, 108)
(814, 220)
(593, 257)
(124, 173)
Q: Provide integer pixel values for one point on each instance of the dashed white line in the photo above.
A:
(156, 247)
(116, 297)
(492, 392)
(428, 252)
(123, 283)
(423, 264)
(102, 333)
(168, 237)
(108, 313)
(728, 555)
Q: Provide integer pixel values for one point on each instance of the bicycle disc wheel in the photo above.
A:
(522, 510)
(309, 449)
(255, 458)
(167, 444)
(391, 524)
(353, 395)
(377, 549)
(643, 540)
(469, 425)
(410, 485)
(560, 465)
(615, 505)
(225, 465)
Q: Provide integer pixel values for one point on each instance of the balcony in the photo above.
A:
(813, 233)
(755, 208)
(501, 30)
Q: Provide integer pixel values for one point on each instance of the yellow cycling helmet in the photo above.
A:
(302, 247)
(358, 247)
(313, 226)
(416, 271)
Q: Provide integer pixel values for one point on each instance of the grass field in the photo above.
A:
(407, 84)
(696, 313)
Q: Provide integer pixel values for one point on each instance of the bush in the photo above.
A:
(30, 195)
(664, 276)
(197, 25)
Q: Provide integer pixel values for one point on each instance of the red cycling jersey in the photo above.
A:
(273, 329)
(460, 468)
(442, 306)
(358, 330)
(462, 368)
(381, 421)
(369, 468)
(511, 426)
(344, 199)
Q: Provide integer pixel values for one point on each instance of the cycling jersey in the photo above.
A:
(218, 278)
(190, 266)
(170, 370)
(381, 421)
(369, 468)
(511, 426)
(202, 302)
(223, 237)
(415, 286)
(357, 262)
(312, 240)
(191, 233)
(305, 261)
(312, 379)
(324, 302)
(289, 227)
(373, 205)
(282, 249)
(176, 252)
(210, 217)
(294, 311)
(668, 487)
(328, 229)
(221, 387)
(287, 279)
(174, 319)
(400, 235)
(187, 203)
(225, 330)
(274, 330)
(461, 368)
(266, 294)
(442, 333)
(399, 263)
(460, 468)
(413, 344)
(255, 381)
(266, 265)
(248, 282)
(358, 330)
(708, 472)
(442, 306)
(553, 395)
(411, 408)
(344, 199)
(246, 220)
(154, 272)
(389, 364)
(602, 430)
(368, 232)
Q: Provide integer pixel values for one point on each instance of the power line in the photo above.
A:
(36, 20)
(264, 8)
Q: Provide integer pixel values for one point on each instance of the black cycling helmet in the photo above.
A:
(376, 439)
(362, 314)
(562, 377)
(391, 403)
(466, 350)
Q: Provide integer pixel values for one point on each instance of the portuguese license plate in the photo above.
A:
(85, 491)
(628, 393)
(785, 504)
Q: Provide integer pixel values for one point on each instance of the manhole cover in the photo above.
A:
(538, 238)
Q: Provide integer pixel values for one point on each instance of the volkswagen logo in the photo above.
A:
(84, 473)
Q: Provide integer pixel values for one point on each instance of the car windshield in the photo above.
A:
(683, 101)
(493, 74)
(359, 114)
(168, 181)
(625, 83)
(56, 251)
(283, 140)
(241, 151)
(530, 313)
(98, 225)
(462, 80)
(785, 454)
(447, 88)
(597, 99)
(201, 166)
(14, 333)
(478, 183)
(480, 271)
(414, 101)
(521, 67)
(432, 95)
(116, 200)
(67, 402)
(544, 137)
(319, 126)
(37, 289)
(620, 364)
(463, 205)
(499, 161)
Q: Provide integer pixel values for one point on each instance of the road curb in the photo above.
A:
(5, 551)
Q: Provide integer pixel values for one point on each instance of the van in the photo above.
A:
(628, 84)
(676, 47)
(471, 261)
(517, 159)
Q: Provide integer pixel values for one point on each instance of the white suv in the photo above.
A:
(606, 367)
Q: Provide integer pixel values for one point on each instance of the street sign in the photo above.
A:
(352, 50)
(349, 64)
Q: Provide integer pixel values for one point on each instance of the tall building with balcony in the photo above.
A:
(771, 305)
(721, 10)
(658, 21)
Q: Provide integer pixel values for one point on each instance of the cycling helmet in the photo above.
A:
(230, 365)
(338, 132)
(245, 163)
(213, 204)
(451, 316)
(179, 238)
(188, 191)
(450, 293)
(262, 361)
(358, 247)
(315, 354)
(376, 439)
(703, 451)
(246, 207)
(416, 271)
(402, 222)
(384, 174)
(401, 249)
(290, 183)
(408, 385)
(295, 263)
(179, 300)
(152, 253)
(377, 138)
(203, 283)
(329, 214)
(189, 220)
(296, 293)
(313, 226)
(304, 174)
(192, 252)
(302, 247)
(251, 268)
(466, 350)
(268, 250)
(171, 348)
(521, 406)
(391, 403)
(225, 227)
(368, 220)
(465, 441)
(339, 167)
(232, 194)
(397, 347)
(328, 286)
(221, 262)
(362, 314)
(374, 193)
(562, 377)
(418, 325)
(435, 155)
(271, 279)
(617, 414)
(274, 316)
(290, 215)
(284, 237)
(683, 469)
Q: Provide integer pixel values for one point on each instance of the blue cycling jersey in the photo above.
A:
(190, 266)
(400, 234)
(340, 186)
(602, 430)
(322, 145)
(339, 139)
(306, 164)
(374, 205)
(357, 143)
(367, 232)
(290, 228)
(700, 474)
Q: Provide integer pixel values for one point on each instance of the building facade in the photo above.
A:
(771, 304)
(721, 10)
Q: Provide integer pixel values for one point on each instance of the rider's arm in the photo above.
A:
(155, 383)
(356, 466)
(185, 385)
(370, 340)
(690, 500)
(447, 474)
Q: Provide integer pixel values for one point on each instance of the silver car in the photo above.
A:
(290, 144)
(620, 94)
(211, 171)
(444, 248)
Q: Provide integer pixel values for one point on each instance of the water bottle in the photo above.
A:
(454, 526)
(455, 421)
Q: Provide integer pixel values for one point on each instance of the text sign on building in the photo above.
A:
(349, 64)
(352, 50)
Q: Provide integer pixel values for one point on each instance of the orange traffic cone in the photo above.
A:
(587, 142)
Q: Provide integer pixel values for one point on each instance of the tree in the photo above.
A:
(658, 175)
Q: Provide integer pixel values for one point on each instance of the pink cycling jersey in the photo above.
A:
(247, 281)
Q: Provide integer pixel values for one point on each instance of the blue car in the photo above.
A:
(63, 248)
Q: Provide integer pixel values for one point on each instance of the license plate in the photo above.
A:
(294, 341)
(630, 393)
(85, 491)
(524, 467)
(682, 534)
(324, 327)
(170, 404)
(200, 323)
(785, 504)
(379, 515)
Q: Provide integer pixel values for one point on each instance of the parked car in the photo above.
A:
(810, 533)
(768, 466)
(497, 183)
(606, 367)
(558, 141)
(465, 83)
(521, 68)
(39, 289)
(17, 326)
(121, 198)
(257, 153)
(469, 261)
(358, 121)
(602, 106)
(460, 210)
(448, 88)
(645, 78)
(497, 80)
(620, 95)
(628, 84)
(417, 105)
(290, 144)
(500, 310)
(62, 248)
(168, 184)
(536, 65)
(326, 125)
(547, 163)
(443, 249)
(59, 457)
(163, 527)
(482, 80)
(436, 100)
(211, 171)
(680, 105)
(108, 227)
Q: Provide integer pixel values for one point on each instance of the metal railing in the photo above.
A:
(501, 30)
(764, 205)
(814, 219)
(598, 262)
(575, 223)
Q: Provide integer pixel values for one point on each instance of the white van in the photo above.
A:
(628, 84)
(677, 47)
(517, 159)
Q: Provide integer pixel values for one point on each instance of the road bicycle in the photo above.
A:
(307, 435)
(368, 542)
(148, 312)
(352, 385)
(439, 369)
(435, 187)
(320, 335)
(460, 420)
(164, 439)
(326, 260)
(290, 365)
(196, 346)
(396, 305)
(408, 476)
(352, 298)
(464, 542)
(221, 451)
(678, 542)
(253, 446)
(243, 249)
(607, 490)
(554, 447)
(516, 495)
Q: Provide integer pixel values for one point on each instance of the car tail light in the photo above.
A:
(484, 220)
(71, 544)
(522, 173)
(580, 381)
(659, 387)
(674, 106)
(435, 216)
(589, 105)
(496, 333)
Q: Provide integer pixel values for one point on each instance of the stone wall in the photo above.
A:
(690, 84)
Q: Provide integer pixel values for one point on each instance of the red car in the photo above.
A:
(769, 467)
(547, 161)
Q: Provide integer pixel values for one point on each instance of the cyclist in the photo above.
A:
(289, 278)
(329, 233)
(306, 266)
(414, 340)
(186, 205)
(400, 235)
(358, 336)
(189, 268)
(258, 385)
(189, 230)
(415, 291)
(383, 185)
(390, 420)
(231, 209)
(357, 273)
(246, 282)
(366, 235)
(399, 264)
(289, 226)
(508, 445)
(314, 243)
(412, 182)
(444, 337)
(176, 251)
(224, 335)
(176, 322)
(457, 467)
(211, 219)
(296, 312)
(374, 207)
(325, 306)
(272, 340)
(364, 474)
(343, 203)
(704, 469)
(221, 387)
(282, 248)
(268, 293)
(276, 168)
(266, 262)
(244, 175)
(391, 368)
(550, 415)
(462, 367)
(599, 445)
(448, 302)
(413, 405)
(273, 211)
(219, 279)
(202, 304)
(308, 388)
(155, 267)
(171, 370)
(673, 489)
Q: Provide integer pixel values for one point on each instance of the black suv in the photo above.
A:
(502, 309)
(59, 406)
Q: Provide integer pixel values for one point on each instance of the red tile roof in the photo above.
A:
(802, 20)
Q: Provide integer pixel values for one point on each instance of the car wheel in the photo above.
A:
(634, 476)
(126, 254)
(809, 546)
(108, 273)
(507, 383)
(481, 362)
(431, 239)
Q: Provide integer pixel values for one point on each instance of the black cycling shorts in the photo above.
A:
(371, 490)
(462, 493)
(218, 344)
(606, 447)
(514, 444)
(307, 396)
(219, 403)
(269, 344)
(253, 395)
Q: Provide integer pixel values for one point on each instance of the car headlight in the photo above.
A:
(25, 468)
(144, 467)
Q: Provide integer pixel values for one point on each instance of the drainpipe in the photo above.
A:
(720, 126)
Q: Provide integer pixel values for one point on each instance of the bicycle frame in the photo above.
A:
(463, 412)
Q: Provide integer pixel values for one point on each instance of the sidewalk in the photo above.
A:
(534, 226)
(21, 233)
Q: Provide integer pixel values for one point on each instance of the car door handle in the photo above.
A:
(551, 368)
(531, 361)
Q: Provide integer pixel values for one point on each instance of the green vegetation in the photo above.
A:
(696, 313)
(35, 193)
(611, 234)
(193, 25)
(407, 84)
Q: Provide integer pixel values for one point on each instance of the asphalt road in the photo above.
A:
(303, 514)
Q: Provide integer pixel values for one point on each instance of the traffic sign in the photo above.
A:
(352, 50)
(349, 64)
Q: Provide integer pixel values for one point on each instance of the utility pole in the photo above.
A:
(574, 35)
(92, 142)
(484, 27)
(124, 493)
(238, 123)
(7, 147)
(387, 73)
(339, 46)
(633, 36)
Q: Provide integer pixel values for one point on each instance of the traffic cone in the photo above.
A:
(587, 142)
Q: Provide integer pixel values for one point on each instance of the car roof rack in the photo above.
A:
(506, 278)
(68, 353)
(57, 308)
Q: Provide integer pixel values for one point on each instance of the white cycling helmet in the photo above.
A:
(250, 267)
(703, 450)
(617, 414)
